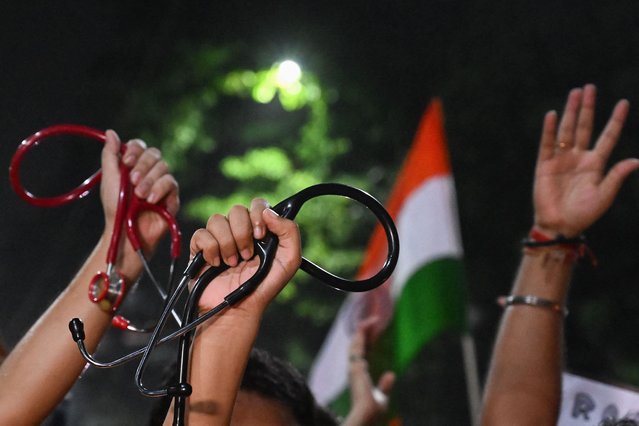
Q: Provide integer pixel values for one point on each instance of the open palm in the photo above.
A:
(571, 188)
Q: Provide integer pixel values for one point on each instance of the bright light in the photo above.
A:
(288, 72)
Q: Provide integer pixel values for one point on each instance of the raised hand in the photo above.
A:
(150, 181)
(572, 189)
(368, 401)
(229, 239)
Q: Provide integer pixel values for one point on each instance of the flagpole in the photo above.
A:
(473, 387)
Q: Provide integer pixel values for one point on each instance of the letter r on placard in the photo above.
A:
(583, 405)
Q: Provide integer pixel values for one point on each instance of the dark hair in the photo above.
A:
(273, 378)
(276, 379)
(621, 422)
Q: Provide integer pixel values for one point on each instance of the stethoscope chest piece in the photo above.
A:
(107, 290)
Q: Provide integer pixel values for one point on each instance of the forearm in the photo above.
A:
(524, 382)
(220, 351)
(46, 362)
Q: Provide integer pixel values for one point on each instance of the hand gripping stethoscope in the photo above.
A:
(111, 289)
(107, 288)
(265, 250)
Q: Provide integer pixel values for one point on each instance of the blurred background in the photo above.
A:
(204, 82)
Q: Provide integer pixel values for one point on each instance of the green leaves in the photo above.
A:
(231, 133)
(270, 163)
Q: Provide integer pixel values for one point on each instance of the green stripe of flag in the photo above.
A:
(432, 300)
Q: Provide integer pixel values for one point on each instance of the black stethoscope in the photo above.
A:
(105, 290)
(265, 250)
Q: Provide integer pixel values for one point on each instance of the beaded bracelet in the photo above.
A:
(529, 300)
(537, 242)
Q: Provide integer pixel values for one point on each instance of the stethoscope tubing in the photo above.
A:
(265, 249)
(27, 144)
(287, 208)
(126, 213)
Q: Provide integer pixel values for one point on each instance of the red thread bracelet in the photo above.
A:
(576, 246)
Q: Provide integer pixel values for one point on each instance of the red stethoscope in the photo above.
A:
(107, 288)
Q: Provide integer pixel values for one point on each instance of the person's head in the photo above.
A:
(274, 392)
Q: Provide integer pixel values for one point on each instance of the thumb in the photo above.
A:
(111, 154)
(386, 382)
(285, 229)
(288, 234)
(617, 175)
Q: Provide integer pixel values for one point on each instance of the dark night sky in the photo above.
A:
(495, 62)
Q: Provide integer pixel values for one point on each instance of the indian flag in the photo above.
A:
(425, 294)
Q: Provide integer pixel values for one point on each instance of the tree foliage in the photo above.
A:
(232, 133)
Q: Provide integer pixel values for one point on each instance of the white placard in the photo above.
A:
(586, 402)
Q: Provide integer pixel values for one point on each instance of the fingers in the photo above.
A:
(289, 238)
(258, 205)
(220, 228)
(566, 132)
(110, 154)
(166, 188)
(230, 238)
(203, 241)
(241, 228)
(586, 117)
(612, 131)
(150, 175)
(134, 149)
(611, 184)
(367, 399)
(386, 382)
(547, 144)
(576, 125)
(357, 349)
(147, 168)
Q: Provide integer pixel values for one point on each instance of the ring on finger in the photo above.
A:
(380, 397)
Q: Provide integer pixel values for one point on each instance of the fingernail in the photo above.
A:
(129, 159)
(152, 198)
(258, 231)
(272, 212)
(246, 254)
(135, 177)
(112, 133)
(142, 189)
(232, 260)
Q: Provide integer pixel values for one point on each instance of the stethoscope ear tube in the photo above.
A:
(291, 206)
(35, 139)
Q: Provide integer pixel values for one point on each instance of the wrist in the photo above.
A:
(557, 227)
(545, 275)
(550, 232)
(231, 326)
(554, 231)
(541, 241)
(127, 261)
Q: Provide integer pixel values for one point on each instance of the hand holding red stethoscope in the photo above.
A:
(139, 197)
